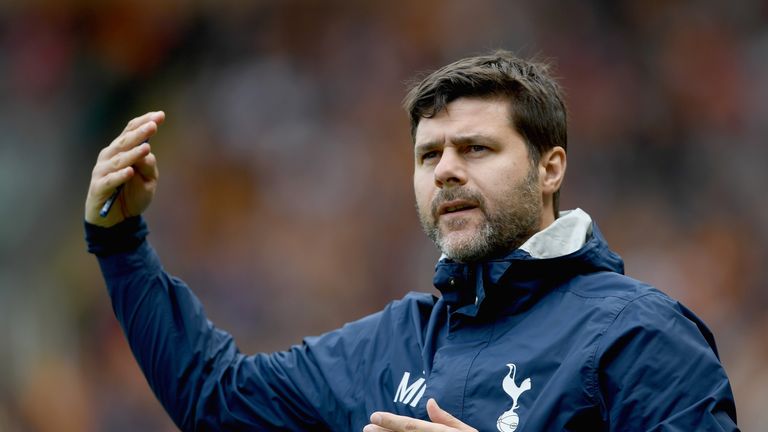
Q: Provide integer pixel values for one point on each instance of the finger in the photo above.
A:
(374, 428)
(136, 132)
(103, 187)
(400, 423)
(156, 116)
(121, 160)
(147, 167)
(440, 416)
(129, 140)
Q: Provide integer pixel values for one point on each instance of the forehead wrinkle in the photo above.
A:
(465, 120)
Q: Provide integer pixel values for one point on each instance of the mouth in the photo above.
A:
(456, 206)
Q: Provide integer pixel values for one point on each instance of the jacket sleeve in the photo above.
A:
(658, 370)
(195, 369)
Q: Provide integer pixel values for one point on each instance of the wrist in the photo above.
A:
(122, 237)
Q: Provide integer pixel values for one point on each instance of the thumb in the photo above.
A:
(440, 416)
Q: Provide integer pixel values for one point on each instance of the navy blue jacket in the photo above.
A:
(517, 343)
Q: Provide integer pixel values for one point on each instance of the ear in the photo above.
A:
(552, 170)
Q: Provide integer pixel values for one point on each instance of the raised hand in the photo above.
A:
(441, 421)
(127, 161)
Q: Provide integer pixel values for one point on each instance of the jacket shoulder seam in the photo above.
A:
(593, 388)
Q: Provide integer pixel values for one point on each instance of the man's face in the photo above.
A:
(477, 192)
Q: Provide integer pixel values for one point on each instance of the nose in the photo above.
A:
(450, 170)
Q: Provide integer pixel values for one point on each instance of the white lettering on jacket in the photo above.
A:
(410, 394)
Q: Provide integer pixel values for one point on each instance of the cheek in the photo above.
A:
(422, 190)
(423, 203)
(499, 181)
(497, 193)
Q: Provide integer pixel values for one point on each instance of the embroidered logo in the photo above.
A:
(508, 420)
(410, 394)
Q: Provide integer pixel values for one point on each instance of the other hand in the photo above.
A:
(127, 161)
(441, 421)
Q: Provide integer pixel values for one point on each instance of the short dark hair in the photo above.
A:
(537, 106)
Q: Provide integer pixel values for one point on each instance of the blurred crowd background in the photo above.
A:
(286, 200)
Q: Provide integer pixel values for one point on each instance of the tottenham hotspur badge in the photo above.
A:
(508, 420)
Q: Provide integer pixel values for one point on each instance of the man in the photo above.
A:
(536, 329)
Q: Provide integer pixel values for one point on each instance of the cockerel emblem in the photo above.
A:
(509, 420)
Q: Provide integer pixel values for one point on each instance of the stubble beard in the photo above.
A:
(517, 218)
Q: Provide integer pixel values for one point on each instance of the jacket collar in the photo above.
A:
(567, 234)
(570, 246)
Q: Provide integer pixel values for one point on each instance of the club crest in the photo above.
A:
(509, 420)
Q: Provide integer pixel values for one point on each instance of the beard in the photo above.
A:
(515, 218)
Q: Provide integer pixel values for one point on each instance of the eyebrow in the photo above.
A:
(459, 140)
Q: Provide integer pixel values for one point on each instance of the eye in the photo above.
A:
(429, 155)
(476, 148)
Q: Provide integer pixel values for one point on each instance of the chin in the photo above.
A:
(459, 245)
